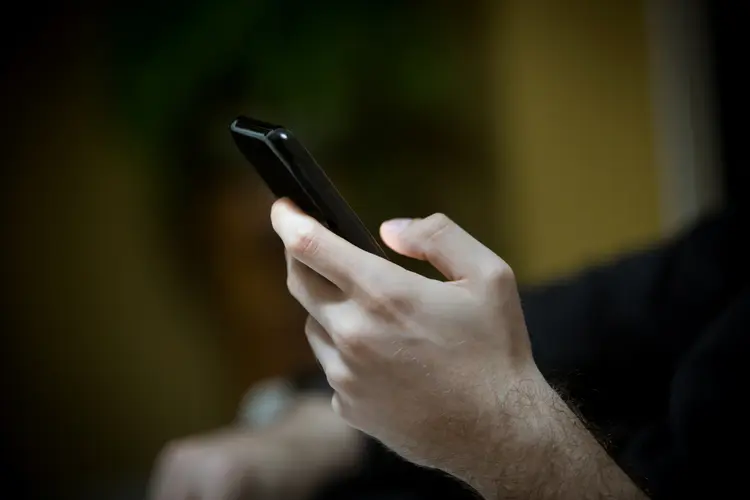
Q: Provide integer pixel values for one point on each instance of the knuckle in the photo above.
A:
(500, 276)
(389, 304)
(352, 342)
(340, 379)
(344, 410)
(310, 326)
(437, 224)
(428, 233)
(378, 303)
(293, 285)
(305, 244)
(352, 325)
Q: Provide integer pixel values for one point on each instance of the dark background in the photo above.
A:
(143, 289)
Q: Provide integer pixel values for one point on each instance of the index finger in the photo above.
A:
(326, 253)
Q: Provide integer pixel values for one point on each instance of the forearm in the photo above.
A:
(541, 450)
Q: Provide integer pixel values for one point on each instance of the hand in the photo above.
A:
(422, 365)
(288, 461)
(226, 466)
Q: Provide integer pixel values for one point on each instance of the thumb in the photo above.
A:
(391, 232)
(444, 244)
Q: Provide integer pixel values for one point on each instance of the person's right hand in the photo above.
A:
(288, 461)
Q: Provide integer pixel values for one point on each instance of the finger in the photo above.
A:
(345, 408)
(314, 293)
(321, 343)
(337, 373)
(339, 407)
(444, 244)
(329, 255)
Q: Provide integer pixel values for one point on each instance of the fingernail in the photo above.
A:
(396, 225)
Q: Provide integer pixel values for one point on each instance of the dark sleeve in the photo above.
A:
(697, 445)
(612, 338)
(650, 349)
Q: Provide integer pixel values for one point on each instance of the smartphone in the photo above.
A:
(289, 170)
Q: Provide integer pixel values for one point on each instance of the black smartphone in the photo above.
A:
(290, 171)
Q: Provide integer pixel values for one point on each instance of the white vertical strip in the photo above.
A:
(683, 101)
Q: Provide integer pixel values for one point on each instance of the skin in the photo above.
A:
(290, 460)
(440, 371)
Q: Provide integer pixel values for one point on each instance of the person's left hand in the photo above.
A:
(422, 365)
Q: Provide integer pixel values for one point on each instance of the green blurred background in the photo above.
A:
(145, 289)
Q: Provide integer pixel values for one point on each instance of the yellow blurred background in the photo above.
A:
(145, 289)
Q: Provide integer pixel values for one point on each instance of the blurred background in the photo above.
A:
(143, 288)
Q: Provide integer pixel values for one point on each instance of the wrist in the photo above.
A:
(538, 444)
(514, 430)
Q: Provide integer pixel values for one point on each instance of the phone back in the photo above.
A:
(290, 171)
